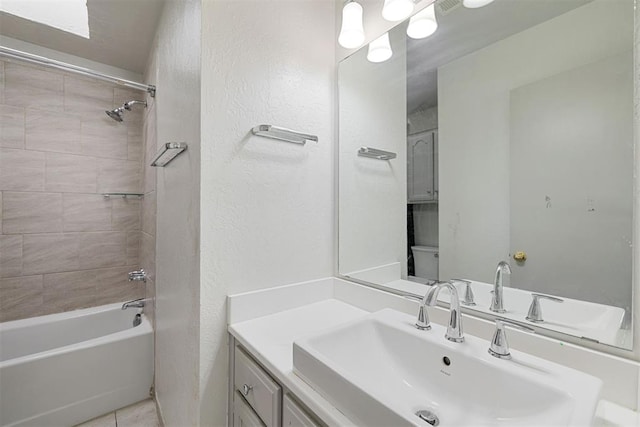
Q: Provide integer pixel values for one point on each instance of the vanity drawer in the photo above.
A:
(293, 415)
(258, 388)
(243, 415)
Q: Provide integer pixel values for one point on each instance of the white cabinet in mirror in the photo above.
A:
(513, 126)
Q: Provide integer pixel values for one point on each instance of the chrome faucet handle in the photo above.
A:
(535, 310)
(468, 299)
(422, 321)
(499, 345)
(138, 275)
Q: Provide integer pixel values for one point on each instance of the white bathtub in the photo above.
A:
(63, 369)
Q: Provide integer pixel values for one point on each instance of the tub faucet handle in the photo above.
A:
(138, 276)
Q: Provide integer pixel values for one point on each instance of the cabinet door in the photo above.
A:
(243, 415)
(294, 416)
(420, 184)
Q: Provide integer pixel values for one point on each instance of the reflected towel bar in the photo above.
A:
(374, 153)
(167, 153)
(283, 134)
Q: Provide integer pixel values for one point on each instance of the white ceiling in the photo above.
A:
(463, 31)
(121, 32)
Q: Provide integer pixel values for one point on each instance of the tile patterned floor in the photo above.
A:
(141, 414)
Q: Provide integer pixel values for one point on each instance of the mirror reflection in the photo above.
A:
(507, 165)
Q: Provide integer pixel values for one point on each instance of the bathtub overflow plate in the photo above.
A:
(428, 416)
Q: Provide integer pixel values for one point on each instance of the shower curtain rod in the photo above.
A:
(52, 63)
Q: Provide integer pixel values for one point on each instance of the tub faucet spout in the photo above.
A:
(139, 303)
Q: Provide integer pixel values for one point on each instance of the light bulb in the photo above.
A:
(397, 10)
(474, 4)
(380, 49)
(352, 31)
(423, 23)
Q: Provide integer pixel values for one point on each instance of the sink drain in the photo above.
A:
(428, 416)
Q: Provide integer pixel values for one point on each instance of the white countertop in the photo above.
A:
(307, 308)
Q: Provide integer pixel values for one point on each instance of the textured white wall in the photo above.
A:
(373, 193)
(174, 67)
(267, 206)
(474, 157)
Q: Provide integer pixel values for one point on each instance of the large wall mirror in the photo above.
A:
(506, 135)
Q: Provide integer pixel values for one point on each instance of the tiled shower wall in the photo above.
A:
(63, 246)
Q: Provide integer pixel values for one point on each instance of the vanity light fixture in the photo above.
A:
(352, 30)
(397, 10)
(474, 4)
(423, 23)
(380, 49)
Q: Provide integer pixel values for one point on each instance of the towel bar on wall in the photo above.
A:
(283, 134)
(374, 153)
(167, 153)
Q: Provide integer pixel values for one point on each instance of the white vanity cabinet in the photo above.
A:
(422, 167)
(257, 399)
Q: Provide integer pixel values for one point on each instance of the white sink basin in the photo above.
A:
(380, 370)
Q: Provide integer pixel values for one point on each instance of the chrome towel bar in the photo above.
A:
(283, 134)
(374, 153)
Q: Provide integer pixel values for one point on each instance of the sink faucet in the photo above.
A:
(497, 300)
(139, 303)
(454, 330)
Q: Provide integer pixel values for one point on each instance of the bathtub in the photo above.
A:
(63, 369)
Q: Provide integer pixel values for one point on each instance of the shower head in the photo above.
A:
(116, 114)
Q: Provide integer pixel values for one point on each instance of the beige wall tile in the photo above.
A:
(149, 213)
(20, 297)
(10, 256)
(86, 212)
(26, 86)
(11, 126)
(69, 291)
(50, 253)
(70, 173)
(150, 144)
(2, 81)
(148, 255)
(135, 147)
(119, 176)
(52, 131)
(113, 285)
(87, 98)
(126, 214)
(102, 249)
(0, 211)
(103, 137)
(21, 170)
(133, 247)
(31, 213)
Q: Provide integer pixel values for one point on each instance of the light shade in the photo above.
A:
(423, 23)
(352, 31)
(474, 4)
(397, 10)
(380, 49)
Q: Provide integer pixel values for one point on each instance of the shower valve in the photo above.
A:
(138, 276)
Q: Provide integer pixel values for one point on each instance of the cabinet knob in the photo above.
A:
(246, 389)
